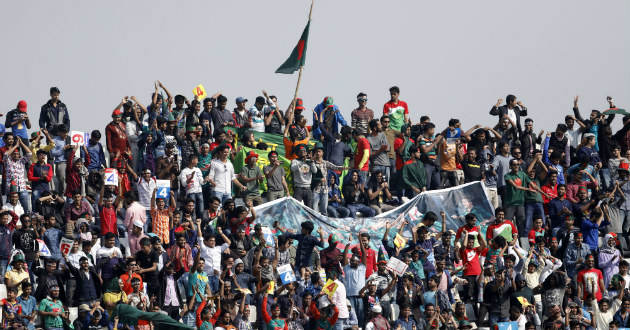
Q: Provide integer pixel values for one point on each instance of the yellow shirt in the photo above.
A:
(16, 277)
(46, 148)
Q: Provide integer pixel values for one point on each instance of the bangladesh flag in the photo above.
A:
(616, 111)
(298, 55)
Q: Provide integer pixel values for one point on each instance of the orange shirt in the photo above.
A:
(288, 147)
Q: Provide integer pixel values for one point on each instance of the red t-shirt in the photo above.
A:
(470, 258)
(532, 235)
(370, 266)
(505, 229)
(397, 143)
(363, 147)
(586, 277)
(552, 191)
(108, 220)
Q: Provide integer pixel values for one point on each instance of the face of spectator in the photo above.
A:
(429, 311)
(516, 153)
(110, 242)
(355, 177)
(275, 313)
(385, 123)
(394, 96)
(561, 191)
(500, 217)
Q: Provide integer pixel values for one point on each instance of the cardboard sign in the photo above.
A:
(400, 241)
(330, 287)
(78, 138)
(453, 135)
(508, 325)
(65, 245)
(111, 177)
(200, 92)
(272, 286)
(268, 235)
(43, 249)
(396, 266)
(286, 274)
(322, 275)
(163, 189)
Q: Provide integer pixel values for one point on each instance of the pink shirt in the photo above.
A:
(135, 212)
(339, 299)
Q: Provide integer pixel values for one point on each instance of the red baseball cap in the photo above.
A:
(22, 106)
(116, 113)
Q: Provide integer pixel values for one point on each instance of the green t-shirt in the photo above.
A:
(253, 187)
(515, 196)
(533, 197)
(48, 305)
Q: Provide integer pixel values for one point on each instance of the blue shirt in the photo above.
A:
(407, 325)
(52, 238)
(97, 156)
(2, 131)
(590, 232)
(354, 279)
(20, 129)
(57, 152)
(555, 207)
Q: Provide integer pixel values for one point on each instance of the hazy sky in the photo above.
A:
(449, 58)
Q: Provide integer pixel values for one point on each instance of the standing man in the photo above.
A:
(274, 118)
(427, 144)
(391, 136)
(379, 148)
(116, 138)
(222, 175)
(54, 113)
(19, 121)
(396, 110)
(513, 108)
(331, 117)
(362, 115)
(192, 180)
(276, 183)
(221, 116)
(259, 110)
(252, 177)
(302, 170)
(362, 154)
(413, 176)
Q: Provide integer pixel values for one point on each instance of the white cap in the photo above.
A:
(377, 308)
(138, 223)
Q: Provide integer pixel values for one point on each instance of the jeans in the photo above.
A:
(304, 194)
(148, 223)
(382, 208)
(433, 176)
(451, 176)
(530, 210)
(3, 268)
(391, 180)
(604, 174)
(36, 194)
(626, 222)
(357, 306)
(516, 213)
(198, 198)
(338, 212)
(221, 195)
(213, 280)
(320, 202)
(60, 174)
(340, 325)
(364, 209)
(272, 195)
(364, 175)
(25, 200)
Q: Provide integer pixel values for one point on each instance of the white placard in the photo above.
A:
(163, 189)
(111, 177)
(268, 236)
(66, 245)
(396, 266)
(77, 138)
(286, 274)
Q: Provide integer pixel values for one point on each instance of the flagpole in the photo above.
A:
(297, 86)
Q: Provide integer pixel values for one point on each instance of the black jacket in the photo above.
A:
(48, 120)
(503, 110)
(80, 278)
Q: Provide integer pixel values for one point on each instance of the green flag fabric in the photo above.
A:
(298, 55)
(616, 111)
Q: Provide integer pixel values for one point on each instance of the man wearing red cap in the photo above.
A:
(251, 176)
(116, 137)
(19, 122)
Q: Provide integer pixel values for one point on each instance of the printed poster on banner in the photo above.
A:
(453, 135)
(508, 325)
(163, 188)
(78, 138)
(43, 249)
(111, 177)
(65, 245)
(396, 266)
(414, 214)
(330, 287)
(286, 274)
(268, 235)
(322, 274)
(200, 92)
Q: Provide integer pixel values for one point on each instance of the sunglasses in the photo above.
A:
(360, 100)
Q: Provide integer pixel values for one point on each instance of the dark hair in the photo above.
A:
(561, 185)
(515, 309)
(135, 280)
(373, 123)
(221, 99)
(556, 154)
(562, 128)
(61, 128)
(221, 147)
(428, 126)
(54, 90)
(510, 98)
(540, 239)
(430, 216)
(453, 122)
(26, 285)
(179, 98)
(206, 100)
(470, 216)
(624, 263)
(129, 195)
(384, 117)
(424, 118)
(109, 236)
(500, 241)
(498, 209)
(96, 134)
(130, 260)
(366, 235)
(394, 89)
(361, 95)
(345, 130)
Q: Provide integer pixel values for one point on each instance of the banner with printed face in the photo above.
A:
(455, 202)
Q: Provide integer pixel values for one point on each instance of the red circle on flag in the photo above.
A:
(77, 138)
(300, 47)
